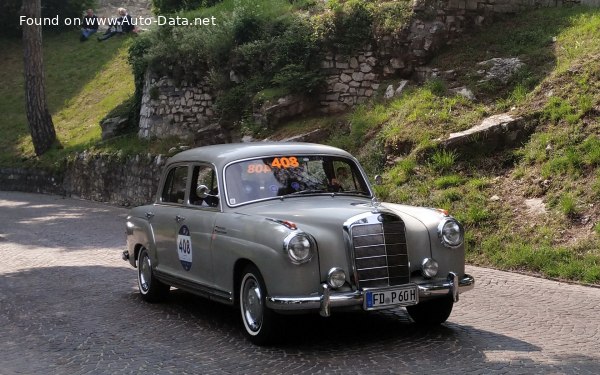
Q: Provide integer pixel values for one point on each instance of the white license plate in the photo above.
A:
(401, 296)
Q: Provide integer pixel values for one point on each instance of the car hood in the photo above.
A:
(333, 212)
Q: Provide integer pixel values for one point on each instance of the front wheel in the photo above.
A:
(151, 289)
(259, 321)
(431, 313)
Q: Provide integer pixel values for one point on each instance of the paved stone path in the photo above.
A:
(69, 305)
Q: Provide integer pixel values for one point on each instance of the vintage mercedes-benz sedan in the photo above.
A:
(276, 228)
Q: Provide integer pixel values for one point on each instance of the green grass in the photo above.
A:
(559, 89)
(84, 82)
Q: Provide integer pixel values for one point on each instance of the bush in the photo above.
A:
(10, 11)
(262, 43)
(348, 27)
(171, 6)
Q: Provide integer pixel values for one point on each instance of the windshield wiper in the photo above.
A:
(302, 192)
(353, 192)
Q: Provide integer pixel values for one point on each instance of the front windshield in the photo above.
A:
(279, 176)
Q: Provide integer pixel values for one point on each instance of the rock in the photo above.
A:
(494, 198)
(493, 133)
(401, 87)
(233, 77)
(535, 206)
(464, 91)
(389, 92)
(396, 63)
(316, 135)
(114, 126)
(500, 69)
(345, 78)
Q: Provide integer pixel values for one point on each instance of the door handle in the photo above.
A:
(179, 218)
(149, 215)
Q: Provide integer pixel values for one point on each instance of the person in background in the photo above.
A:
(124, 25)
(89, 25)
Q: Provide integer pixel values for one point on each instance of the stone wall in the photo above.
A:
(182, 110)
(187, 111)
(31, 181)
(353, 79)
(127, 181)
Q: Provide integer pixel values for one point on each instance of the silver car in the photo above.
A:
(276, 228)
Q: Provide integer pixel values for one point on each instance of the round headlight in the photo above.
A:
(450, 233)
(429, 267)
(336, 277)
(299, 247)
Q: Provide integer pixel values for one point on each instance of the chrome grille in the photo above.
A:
(380, 252)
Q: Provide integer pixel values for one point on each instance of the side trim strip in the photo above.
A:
(202, 290)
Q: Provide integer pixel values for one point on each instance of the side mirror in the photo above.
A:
(378, 180)
(202, 191)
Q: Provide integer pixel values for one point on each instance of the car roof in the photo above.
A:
(223, 154)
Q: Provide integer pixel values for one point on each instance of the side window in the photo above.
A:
(204, 179)
(343, 176)
(174, 188)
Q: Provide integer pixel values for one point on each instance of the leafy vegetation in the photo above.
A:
(533, 208)
(559, 89)
(261, 46)
(84, 82)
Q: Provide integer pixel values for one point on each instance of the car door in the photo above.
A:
(168, 216)
(204, 206)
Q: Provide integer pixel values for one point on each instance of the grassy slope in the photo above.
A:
(559, 165)
(84, 81)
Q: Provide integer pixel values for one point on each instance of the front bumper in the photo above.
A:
(327, 299)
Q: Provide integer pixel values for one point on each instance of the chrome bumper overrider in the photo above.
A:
(328, 298)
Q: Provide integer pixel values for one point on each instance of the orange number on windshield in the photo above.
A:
(291, 162)
(258, 168)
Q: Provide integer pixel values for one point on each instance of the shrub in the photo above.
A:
(348, 27)
(263, 43)
(171, 6)
(442, 160)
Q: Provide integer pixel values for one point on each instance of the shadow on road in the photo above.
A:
(55, 222)
(76, 318)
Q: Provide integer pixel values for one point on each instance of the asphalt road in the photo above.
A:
(69, 305)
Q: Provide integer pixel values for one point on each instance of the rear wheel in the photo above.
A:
(259, 321)
(431, 313)
(151, 289)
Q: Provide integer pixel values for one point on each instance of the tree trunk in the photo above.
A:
(38, 116)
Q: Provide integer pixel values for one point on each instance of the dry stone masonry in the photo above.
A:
(187, 111)
(183, 110)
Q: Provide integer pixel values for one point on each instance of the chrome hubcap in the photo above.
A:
(252, 304)
(145, 273)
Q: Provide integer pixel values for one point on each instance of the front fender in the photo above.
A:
(247, 238)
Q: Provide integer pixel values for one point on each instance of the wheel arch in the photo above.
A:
(136, 252)
(238, 268)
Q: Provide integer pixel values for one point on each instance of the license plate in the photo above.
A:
(401, 296)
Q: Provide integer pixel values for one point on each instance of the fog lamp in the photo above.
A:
(429, 267)
(336, 277)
